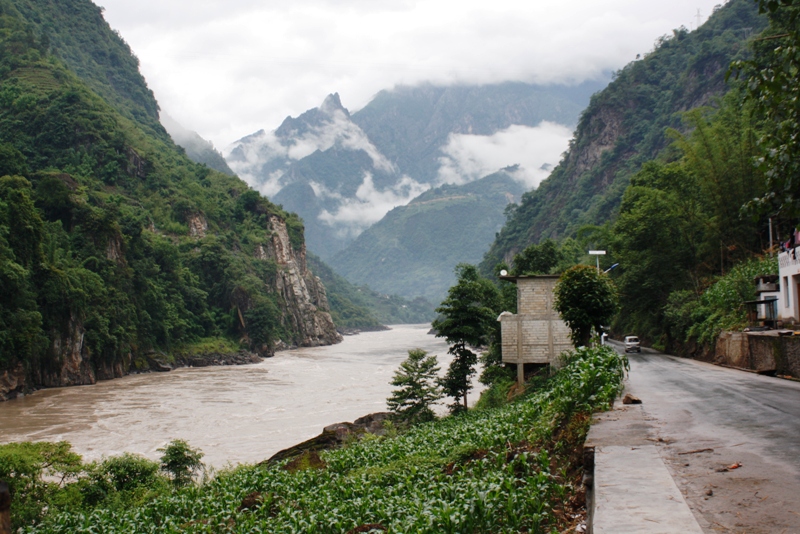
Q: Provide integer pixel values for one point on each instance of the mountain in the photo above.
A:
(341, 173)
(318, 165)
(348, 302)
(410, 125)
(413, 250)
(115, 248)
(626, 125)
(197, 149)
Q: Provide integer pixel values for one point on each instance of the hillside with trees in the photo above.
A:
(412, 251)
(114, 247)
(625, 126)
(683, 194)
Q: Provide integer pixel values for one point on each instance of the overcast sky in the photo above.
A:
(227, 69)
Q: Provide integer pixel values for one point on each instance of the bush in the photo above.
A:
(181, 462)
(129, 471)
(31, 471)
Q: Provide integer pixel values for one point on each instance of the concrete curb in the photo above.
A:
(629, 489)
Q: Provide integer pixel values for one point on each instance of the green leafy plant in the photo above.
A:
(586, 300)
(35, 472)
(493, 470)
(180, 461)
(418, 388)
(467, 318)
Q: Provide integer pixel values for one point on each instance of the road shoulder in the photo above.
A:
(632, 490)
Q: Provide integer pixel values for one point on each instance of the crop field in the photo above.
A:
(492, 470)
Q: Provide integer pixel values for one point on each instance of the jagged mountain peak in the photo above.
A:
(333, 103)
(331, 110)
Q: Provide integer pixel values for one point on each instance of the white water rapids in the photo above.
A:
(234, 414)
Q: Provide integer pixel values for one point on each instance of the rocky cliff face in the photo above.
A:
(12, 382)
(305, 301)
(304, 308)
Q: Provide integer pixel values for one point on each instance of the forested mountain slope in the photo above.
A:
(77, 34)
(197, 149)
(413, 250)
(114, 246)
(625, 126)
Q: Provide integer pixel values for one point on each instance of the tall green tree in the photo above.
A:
(586, 300)
(683, 222)
(772, 76)
(417, 388)
(467, 318)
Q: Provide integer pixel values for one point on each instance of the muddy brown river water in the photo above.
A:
(233, 414)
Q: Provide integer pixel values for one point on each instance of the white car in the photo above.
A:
(632, 344)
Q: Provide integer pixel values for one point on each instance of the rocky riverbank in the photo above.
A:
(14, 383)
(334, 436)
(162, 363)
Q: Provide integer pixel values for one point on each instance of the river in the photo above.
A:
(234, 414)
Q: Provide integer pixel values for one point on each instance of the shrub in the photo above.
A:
(181, 462)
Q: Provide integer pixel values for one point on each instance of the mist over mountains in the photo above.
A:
(343, 172)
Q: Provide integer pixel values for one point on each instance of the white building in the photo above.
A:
(789, 265)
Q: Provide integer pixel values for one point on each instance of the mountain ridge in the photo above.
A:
(624, 126)
(339, 192)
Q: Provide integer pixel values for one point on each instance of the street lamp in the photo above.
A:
(597, 253)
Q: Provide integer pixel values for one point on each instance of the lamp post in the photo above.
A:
(597, 253)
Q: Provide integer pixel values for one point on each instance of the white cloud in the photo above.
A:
(535, 149)
(257, 151)
(226, 69)
(354, 215)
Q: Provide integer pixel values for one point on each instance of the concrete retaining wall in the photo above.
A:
(764, 352)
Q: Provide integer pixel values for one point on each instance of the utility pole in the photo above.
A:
(771, 250)
(698, 18)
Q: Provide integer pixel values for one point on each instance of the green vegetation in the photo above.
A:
(360, 307)
(772, 75)
(468, 316)
(683, 223)
(681, 200)
(412, 251)
(692, 318)
(108, 233)
(625, 126)
(418, 388)
(547, 257)
(181, 462)
(505, 469)
(587, 300)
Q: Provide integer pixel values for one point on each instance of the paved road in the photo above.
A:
(744, 418)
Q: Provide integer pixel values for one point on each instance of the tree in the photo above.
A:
(772, 83)
(181, 461)
(537, 258)
(418, 388)
(586, 299)
(467, 319)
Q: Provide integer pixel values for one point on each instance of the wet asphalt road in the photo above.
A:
(744, 418)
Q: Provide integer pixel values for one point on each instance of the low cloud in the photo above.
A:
(535, 149)
(355, 215)
(225, 69)
(261, 159)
